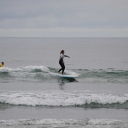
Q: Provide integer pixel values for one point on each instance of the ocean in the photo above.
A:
(30, 97)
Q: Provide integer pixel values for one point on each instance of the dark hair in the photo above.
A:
(61, 51)
(2, 63)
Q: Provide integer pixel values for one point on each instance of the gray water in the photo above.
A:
(31, 97)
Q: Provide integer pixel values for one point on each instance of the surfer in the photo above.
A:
(2, 64)
(61, 61)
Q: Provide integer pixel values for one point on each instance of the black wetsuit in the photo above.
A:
(61, 62)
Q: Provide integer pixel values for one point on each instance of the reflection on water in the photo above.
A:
(62, 81)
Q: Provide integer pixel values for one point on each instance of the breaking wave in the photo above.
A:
(42, 74)
(29, 73)
(59, 98)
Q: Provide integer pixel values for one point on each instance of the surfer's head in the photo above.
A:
(2, 63)
(62, 52)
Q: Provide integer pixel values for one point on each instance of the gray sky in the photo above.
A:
(63, 18)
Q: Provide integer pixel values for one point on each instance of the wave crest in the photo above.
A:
(60, 98)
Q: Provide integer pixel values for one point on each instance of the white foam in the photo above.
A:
(27, 72)
(100, 123)
(59, 98)
(43, 68)
(23, 69)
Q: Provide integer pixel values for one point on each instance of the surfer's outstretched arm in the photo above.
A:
(66, 56)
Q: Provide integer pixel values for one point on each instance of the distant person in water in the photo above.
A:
(2, 64)
(61, 61)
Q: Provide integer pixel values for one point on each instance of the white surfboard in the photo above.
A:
(64, 76)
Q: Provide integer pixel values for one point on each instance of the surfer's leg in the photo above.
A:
(60, 70)
(63, 68)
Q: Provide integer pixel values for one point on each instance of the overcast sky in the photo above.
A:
(63, 18)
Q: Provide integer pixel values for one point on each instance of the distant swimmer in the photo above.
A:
(2, 64)
(61, 61)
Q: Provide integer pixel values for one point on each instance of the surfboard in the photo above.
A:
(64, 76)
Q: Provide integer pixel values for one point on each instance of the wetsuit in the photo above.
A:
(61, 62)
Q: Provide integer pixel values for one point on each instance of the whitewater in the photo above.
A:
(58, 98)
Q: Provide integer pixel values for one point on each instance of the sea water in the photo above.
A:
(30, 97)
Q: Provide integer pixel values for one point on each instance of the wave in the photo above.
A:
(59, 98)
(29, 73)
(104, 75)
(42, 74)
(64, 123)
